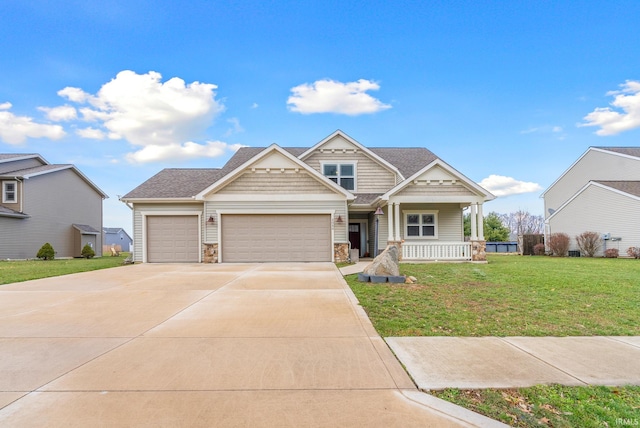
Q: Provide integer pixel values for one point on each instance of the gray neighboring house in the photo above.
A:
(600, 192)
(42, 203)
(319, 203)
(116, 236)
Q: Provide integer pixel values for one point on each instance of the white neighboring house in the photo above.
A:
(600, 192)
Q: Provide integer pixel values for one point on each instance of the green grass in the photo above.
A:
(509, 296)
(554, 405)
(18, 271)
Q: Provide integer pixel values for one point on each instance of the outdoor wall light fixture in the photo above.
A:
(211, 220)
(339, 219)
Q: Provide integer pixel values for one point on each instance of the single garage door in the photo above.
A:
(172, 239)
(276, 238)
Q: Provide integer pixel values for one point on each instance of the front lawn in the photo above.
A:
(509, 296)
(554, 405)
(25, 270)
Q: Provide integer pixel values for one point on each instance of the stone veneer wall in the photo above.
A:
(479, 251)
(210, 253)
(341, 252)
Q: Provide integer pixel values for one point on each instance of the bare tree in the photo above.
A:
(523, 223)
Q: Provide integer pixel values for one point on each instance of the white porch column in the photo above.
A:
(480, 223)
(474, 222)
(390, 221)
(397, 221)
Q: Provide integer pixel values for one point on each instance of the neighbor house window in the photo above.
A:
(9, 192)
(421, 225)
(342, 173)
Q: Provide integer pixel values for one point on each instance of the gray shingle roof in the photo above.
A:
(176, 183)
(629, 151)
(8, 212)
(35, 170)
(365, 198)
(85, 228)
(11, 156)
(630, 187)
(185, 183)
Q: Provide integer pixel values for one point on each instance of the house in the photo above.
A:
(116, 236)
(309, 204)
(600, 193)
(42, 203)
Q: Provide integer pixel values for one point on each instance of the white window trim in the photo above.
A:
(5, 200)
(420, 212)
(343, 162)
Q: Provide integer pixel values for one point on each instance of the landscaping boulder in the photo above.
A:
(385, 264)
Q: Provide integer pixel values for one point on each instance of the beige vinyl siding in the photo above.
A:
(594, 165)
(21, 164)
(54, 202)
(603, 211)
(371, 177)
(276, 207)
(159, 208)
(275, 182)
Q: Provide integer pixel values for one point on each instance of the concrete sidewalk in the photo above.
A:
(508, 362)
(437, 363)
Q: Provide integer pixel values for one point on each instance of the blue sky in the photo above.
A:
(508, 93)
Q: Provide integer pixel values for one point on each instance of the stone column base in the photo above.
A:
(341, 252)
(479, 251)
(210, 253)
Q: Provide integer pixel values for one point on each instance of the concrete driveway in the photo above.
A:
(202, 345)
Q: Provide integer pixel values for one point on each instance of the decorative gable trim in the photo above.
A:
(457, 179)
(357, 148)
(584, 188)
(256, 165)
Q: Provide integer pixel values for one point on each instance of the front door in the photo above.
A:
(354, 236)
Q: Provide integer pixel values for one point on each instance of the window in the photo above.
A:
(9, 192)
(421, 224)
(343, 174)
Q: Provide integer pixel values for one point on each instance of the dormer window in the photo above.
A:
(9, 192)
(343, 174)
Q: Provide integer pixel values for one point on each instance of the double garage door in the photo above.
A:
(245, 238)
(276, 238)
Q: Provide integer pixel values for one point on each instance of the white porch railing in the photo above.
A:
(436, 250)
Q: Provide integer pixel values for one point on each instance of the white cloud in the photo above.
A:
(188, 150)
(500, 185)
(254, 105)
(60, 114)
(16, 129)
(161, 118)
(610, 120)
(91, 133)
(329, 96)
(235, 127)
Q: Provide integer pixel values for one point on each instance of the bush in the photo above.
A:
(46, 252)
(87, 252)
(589, 243)
(611, 253)
(634, 252)
(559, 244)
(538, 249)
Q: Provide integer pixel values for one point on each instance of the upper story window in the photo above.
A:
(9, 192)
(421, 224)
(342, 173)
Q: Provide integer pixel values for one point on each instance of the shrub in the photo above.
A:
(589, 243)
(634, 252)
(611, 253)
(559, 244)
(87, 252)
(538, 249)
(46, 252)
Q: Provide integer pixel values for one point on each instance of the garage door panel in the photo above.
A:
(172, 239)
(276, 237)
